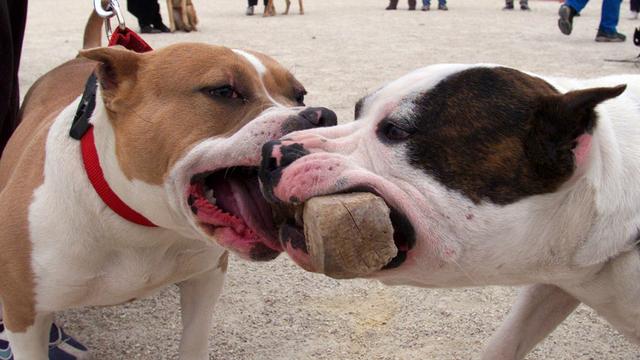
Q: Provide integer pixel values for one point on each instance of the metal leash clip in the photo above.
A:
(112, 9)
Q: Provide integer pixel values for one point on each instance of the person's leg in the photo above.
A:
(567, 11)
(13, 15)
(252, 2)
(576, 5)
(137, 8)
(393, 4)
(635, 5)
(524, 5)
(155, 17)
(412, 4)
(610, 15)
(442, 5)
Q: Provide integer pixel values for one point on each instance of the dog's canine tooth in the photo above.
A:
(209, 196)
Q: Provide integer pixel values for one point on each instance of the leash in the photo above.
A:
(82, 130)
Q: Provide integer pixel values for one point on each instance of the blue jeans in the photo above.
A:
(428, 2)
(608, 17)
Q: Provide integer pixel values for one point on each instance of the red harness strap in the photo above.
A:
(131, 41)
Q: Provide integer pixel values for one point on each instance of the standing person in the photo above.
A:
(635, 8)
(148, 14)
(524, 5)
(13, 17)
(442, 5)
(393, 5)
(252, 6)
(609, 17)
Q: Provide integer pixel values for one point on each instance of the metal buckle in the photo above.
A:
(112, 9)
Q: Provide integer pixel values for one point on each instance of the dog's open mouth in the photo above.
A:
(229, 206)
(293, 240)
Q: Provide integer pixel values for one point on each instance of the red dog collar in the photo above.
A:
(82, 130)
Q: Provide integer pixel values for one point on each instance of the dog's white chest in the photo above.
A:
(79, 260)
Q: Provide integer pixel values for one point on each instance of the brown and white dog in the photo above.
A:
(178, 133)
(495, 177)
(270, 9)
(182, 15)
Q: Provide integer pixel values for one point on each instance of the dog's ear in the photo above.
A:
(560, 134)
(117, 68)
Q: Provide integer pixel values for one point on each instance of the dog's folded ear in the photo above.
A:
(558, 125)
(117, 67)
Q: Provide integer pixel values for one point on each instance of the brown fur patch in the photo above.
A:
(144, 104)
(498, 134)
(21, 172)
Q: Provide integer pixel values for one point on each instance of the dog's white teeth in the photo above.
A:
(209, 196)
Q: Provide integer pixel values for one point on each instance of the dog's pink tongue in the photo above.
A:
(243, 199)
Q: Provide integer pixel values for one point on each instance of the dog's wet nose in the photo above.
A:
(320, 117)
(310, 118)
(275, 157)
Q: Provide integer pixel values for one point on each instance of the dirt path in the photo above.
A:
(340, 51)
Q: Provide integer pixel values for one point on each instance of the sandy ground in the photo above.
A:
(341, 50)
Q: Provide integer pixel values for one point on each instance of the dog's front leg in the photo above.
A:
(198, 297)
(537, 311)
(33, 342)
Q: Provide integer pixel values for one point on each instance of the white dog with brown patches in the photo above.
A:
(163, 180)
(494, 177)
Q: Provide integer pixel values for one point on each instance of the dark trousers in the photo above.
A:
(635, 5)
(147, 11)
(13, 15)
(255, 2)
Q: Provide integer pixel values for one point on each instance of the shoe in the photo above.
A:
(565, 22)
(162, 27)
(412, 4)
(633, 15)
(525, 7)
(250, 10)
(426, 7)
(5, 350)
(603, 36)
(393, 5)
(443, 7)
(148, 29)
(61, 345)
(508, 6)
(64, 347)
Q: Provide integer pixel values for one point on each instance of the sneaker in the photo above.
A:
(162, 27)
(64, 347)
(443, 7)
(508, 6)
(525, 7)
(148, 29)
(603, 36)
(250, 10)
(5, 350)
(565, 22)
(426, 7)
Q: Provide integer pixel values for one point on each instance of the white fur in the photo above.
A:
(261, 70)
(581, 239)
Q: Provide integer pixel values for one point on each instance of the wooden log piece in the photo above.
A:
(348, 235)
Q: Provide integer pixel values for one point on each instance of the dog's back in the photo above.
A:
(54, 90)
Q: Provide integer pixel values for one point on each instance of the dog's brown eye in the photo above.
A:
(225, 91)
(391, 132)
